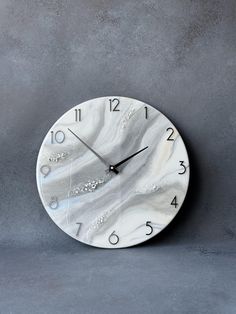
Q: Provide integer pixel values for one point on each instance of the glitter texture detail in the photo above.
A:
(148, 189)
(98, 222)
(58, 157)
(127, 118)
(89, 186)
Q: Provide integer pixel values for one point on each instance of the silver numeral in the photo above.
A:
(57, 137)
(113, 238)
(79, 227)
(77, 115)
(53, 204)
(181, 162)
(151, 228)
(45, 170)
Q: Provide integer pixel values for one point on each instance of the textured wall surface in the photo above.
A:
(179, 56)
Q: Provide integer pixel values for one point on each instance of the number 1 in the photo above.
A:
(146, 112)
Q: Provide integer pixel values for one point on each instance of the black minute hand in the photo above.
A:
(126, 159)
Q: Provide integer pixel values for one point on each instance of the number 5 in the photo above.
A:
(151, 229)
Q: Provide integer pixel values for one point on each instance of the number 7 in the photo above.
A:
(80, 224)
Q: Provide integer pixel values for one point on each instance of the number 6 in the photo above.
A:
(113, 238)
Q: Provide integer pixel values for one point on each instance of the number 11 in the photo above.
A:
(77, 115)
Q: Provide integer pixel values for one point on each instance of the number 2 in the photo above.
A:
(171, 134)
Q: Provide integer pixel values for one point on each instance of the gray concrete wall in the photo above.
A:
(177, 55)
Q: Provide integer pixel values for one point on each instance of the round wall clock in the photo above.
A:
(112, 172)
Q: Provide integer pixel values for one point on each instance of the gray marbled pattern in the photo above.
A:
(97, 207)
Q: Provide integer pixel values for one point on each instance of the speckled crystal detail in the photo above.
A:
(127, 118)
(90, 186)
(148, 189)
(58, 157)
(99, 221)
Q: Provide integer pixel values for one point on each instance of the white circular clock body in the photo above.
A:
(91, 185)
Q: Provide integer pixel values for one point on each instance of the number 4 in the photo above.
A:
(174, 202)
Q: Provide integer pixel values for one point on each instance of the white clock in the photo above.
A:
(112, 172)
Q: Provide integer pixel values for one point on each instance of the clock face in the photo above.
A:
(112, 172)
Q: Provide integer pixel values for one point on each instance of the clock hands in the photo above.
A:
(113, 167)
(95, 153)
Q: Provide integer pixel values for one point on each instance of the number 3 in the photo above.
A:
(182, 165)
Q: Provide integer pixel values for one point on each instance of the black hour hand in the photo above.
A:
(113, 167)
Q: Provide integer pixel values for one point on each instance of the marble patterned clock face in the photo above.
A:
(112, 172)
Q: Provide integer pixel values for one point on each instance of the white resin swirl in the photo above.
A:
(99, 207)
